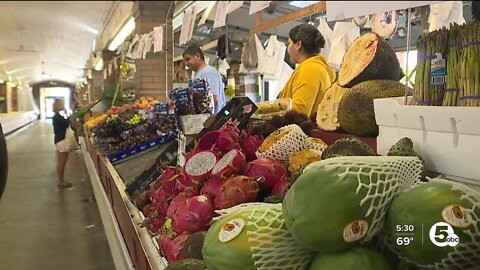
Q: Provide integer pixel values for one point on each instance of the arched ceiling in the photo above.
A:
(58, 33)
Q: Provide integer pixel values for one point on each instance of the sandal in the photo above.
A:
(65, 185)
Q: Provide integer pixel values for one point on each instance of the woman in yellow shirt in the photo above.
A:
(313, 75)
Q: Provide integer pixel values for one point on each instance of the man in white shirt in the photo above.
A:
(195, 60)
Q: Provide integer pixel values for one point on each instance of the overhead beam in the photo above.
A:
(297, 14)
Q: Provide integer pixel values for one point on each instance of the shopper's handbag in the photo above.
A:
(70, 140)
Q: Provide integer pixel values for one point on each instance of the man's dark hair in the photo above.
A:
(192, 50)
(312, 40)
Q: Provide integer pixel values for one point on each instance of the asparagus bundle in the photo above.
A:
(469, 64)
(453, 57)
(431, 68)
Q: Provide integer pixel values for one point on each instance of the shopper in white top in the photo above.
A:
(195, 60)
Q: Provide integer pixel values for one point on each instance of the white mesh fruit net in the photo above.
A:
(466, 255)
(292, 142)
(382, 178)
(315, 144)
(273, 247)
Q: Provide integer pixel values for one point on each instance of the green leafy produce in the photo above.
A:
(356, 112)
(348, 147)
(187, 264)
(356, 258)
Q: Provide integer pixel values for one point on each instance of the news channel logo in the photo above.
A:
(442, 234)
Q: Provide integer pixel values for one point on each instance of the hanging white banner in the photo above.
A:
(340, 10)
(221, 15)
(256, 6)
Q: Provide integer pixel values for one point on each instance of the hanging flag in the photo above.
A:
(256, 6)
(157, 39)
(221, 15)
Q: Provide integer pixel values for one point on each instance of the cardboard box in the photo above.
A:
(193, 124)
(446, 137)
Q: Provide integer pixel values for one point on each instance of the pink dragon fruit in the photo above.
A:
(281, 187)
(153, 222)
(233, 162)
(211, 187)
(180, 200)
(172, 247)
(219, 141)
(199, 166)
(236, 190)
(193, 216)
(147, 209)
(271, 171)
(250, 143)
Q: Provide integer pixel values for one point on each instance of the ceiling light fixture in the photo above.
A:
(99, 65)
(126, 30)
(1, 81)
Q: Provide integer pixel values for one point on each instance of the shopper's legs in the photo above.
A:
(62, 158)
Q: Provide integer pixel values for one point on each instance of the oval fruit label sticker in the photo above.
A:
(355, 231)
(231, 229)
(457, 216)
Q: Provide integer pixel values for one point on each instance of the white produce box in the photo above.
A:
(447, 137)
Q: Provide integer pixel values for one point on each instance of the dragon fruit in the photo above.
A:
(193, 216)
(172, 247)
(147, 209)
(179, 200)
(271, 171)
(199, 166)
(153, 222)
(211, 187)
(281, 187)
(231, 163)
(219, 141)
(143, 198)
(236, 190)
(250, 143)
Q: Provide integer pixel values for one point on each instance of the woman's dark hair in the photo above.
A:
(192, 50)
(312, 40)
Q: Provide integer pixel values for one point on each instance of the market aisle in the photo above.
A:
(42, 227)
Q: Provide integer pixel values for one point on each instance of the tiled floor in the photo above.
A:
(42, 227)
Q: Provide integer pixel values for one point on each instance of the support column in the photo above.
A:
(154, 75)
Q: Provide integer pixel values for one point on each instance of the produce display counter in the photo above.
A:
(131, 246)
(15, 120)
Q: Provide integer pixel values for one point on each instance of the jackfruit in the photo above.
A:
(356, 113)
(369, 58)
(187, 264)
(327, 109)
(192, 249)
(302, 158)
(348, 147)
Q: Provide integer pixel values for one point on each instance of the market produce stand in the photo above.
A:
(131, 246)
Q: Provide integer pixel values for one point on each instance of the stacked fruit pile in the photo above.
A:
(351, 210)
(122, 128)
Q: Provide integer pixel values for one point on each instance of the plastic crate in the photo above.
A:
(140, 148)
(447, 137)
